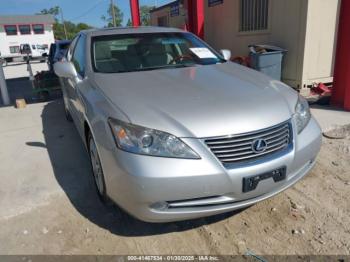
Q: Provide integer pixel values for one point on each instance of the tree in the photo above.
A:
(72, 29)
(145, 14)
(58, 30)
(129, 23)
(55, 11)
(118, 14)
(82, 26)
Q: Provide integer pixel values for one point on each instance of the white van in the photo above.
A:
(34, 51)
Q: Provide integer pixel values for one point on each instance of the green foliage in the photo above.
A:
(73, 29)
(118, 14)
(129, 23)
(55, 11)
(82, 26)
(145, 15)
(58, 29)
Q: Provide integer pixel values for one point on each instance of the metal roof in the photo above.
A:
(26, 19)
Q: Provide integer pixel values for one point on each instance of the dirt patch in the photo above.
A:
(342, 132)
(310, 218)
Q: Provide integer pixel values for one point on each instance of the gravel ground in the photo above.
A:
(310, 218)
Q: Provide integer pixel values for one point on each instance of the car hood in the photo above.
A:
(201, 101)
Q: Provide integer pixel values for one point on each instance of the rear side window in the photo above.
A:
(78, 58)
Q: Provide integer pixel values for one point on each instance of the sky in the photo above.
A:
(87, 11)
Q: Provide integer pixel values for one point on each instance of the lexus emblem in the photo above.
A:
(259, 146)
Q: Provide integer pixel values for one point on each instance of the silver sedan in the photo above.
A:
(175, 131)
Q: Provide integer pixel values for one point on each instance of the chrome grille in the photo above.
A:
(237, 148)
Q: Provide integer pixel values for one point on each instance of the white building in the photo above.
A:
(24, 29)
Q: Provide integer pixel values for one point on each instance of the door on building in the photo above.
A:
(163, 21)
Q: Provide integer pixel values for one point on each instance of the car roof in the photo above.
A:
(130, 30)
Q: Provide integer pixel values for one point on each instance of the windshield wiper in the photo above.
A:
(185, 65)
(158, 67)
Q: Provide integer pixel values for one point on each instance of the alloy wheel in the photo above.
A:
(96, 167)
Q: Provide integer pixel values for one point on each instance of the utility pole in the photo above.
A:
(113, 14)
(64, 24)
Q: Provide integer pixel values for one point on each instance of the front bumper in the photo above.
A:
(157, 189)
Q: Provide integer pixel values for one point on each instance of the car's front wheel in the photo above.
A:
(97, 169)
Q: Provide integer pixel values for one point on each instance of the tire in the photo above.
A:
(97, 171)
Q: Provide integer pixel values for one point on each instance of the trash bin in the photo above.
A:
(267, 59)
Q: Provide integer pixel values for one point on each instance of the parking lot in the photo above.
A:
(49, 205)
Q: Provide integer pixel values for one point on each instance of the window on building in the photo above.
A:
(24, 29)
(14, 49)
(78, 58)
(11, 29)
(38, 29)
(254, 15)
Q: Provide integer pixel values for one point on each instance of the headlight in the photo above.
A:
(302, 114)
(146, 141)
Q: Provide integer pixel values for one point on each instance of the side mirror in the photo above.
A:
(64, 69)
(226, 54)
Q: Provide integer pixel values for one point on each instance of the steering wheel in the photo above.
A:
(181, 58)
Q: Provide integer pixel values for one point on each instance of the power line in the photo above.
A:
(89, 10)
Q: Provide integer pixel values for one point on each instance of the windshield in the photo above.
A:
(141, 52)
